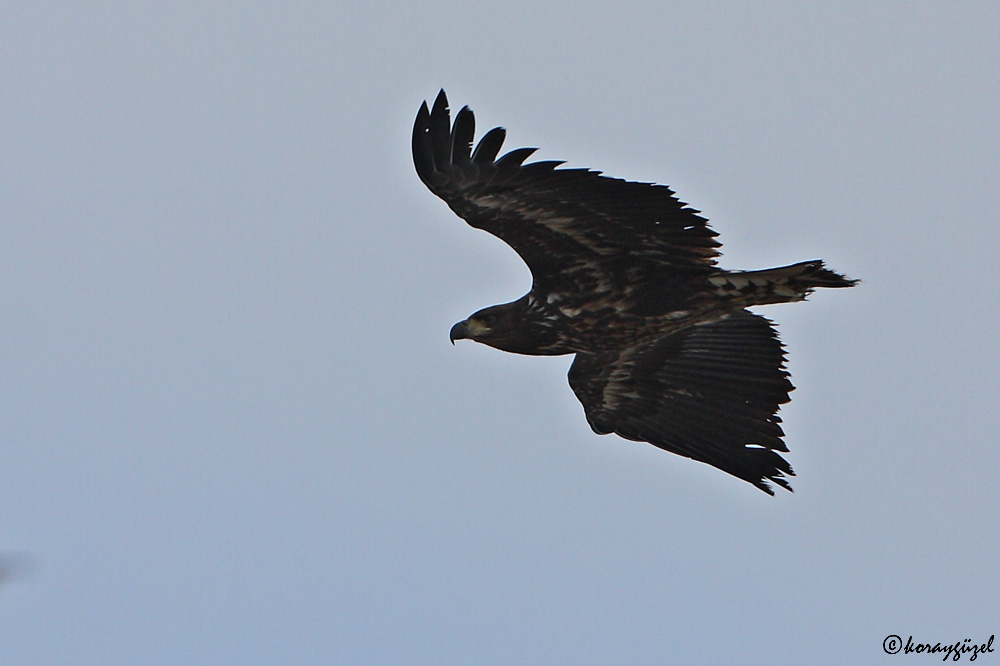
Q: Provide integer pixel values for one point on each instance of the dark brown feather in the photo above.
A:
(705, 392)
(554, 218)
(624, 276)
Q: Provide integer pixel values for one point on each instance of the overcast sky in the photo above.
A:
(233, 430)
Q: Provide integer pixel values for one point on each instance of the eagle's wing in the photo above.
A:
(558, 220)
(708, 392)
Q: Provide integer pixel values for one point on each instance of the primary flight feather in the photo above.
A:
(624, 276)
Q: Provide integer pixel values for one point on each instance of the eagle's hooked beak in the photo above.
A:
(459, 331)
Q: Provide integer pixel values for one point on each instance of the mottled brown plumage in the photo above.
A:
(624, 276)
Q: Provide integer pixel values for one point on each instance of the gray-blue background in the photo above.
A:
(232, 430)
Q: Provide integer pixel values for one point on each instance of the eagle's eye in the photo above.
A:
(488, 319)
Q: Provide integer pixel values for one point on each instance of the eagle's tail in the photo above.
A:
(778, 285)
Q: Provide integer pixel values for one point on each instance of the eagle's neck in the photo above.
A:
(535, 329)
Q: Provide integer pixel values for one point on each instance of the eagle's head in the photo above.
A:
(490, 326)
(501, 327)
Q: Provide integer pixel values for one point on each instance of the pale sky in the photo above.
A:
(233, 430)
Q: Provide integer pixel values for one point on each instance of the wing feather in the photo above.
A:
(708, 392)
(423, 154)
(462, 135)
(440, 133)
(556, 219)
(509, 165)
(489, 146)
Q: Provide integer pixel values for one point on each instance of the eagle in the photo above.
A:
(624, 276)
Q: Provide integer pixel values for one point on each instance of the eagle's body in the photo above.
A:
(624, 276)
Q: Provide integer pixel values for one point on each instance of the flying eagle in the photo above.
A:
(624, 276)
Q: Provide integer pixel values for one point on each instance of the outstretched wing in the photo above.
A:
(708, 392)
(558, 220)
